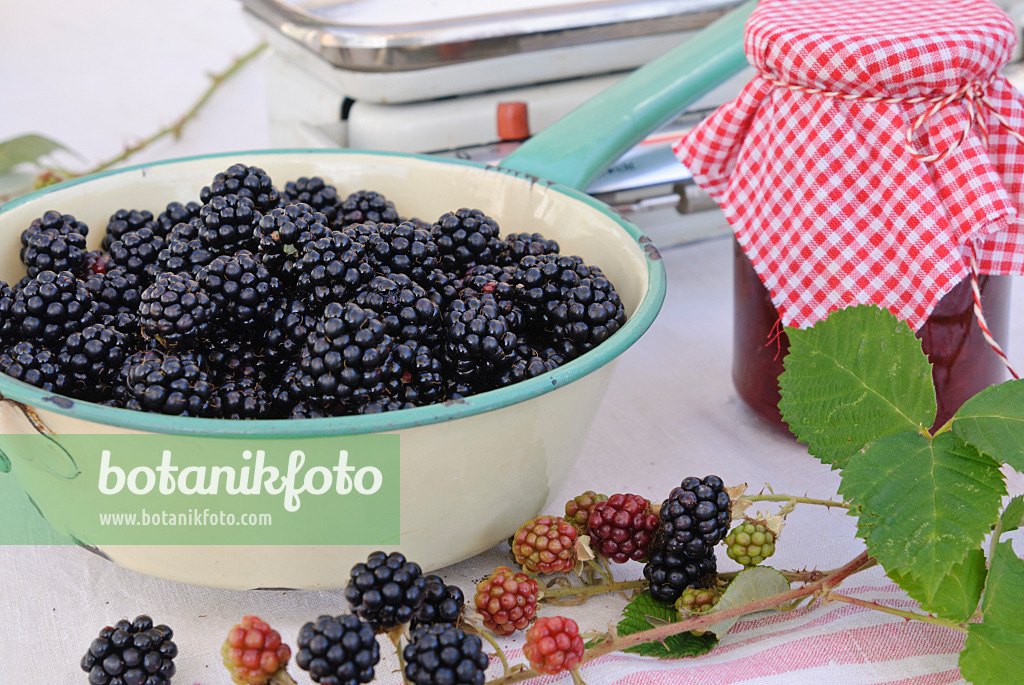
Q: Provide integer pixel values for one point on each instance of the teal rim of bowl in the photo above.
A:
(636, 325)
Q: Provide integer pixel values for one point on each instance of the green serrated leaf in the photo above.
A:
(27, 148)
(994, 651)
(957, 595)
(749, 586)
(923, 504)
(856, 376)
(635, 619)
(993, 421)
(1013, 514)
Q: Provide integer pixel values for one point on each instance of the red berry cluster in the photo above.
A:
(623, 528)
(545, 544)
(553, 645)
(506, 601)
(253, 652)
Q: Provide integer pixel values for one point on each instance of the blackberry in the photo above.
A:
(183, 255)
(92, 358)
(553, 645)
(695, 517)
(697, 600)
(750, 543)
(577, 510)
(546, 544)
(35, 365)
(285, 395)
(53, 250)
(518, 245)
(444, 655)
(669, 573)
(366, 205)
(589, 314)
(234, 358)
(254, 654)
(8, 331)
(131, 653)
(174, 310)
(240, 286)
(244, 398)
(418, 377)
(544, 282)
(250, 182)
(176, 213)
(169, 383)
(441, 603)
(313, 191)
(443, 287)
(228, 224)
(480, 342)
(403, 248)
(126, 323)
(64, 223)
(386, 591)
(465, 238)
(288, 325)
(528, 363)
(332, 268)
(125, 221)
(340, 650)
(408, 314)
(506, 601)
(136, 252)
(283, 234)
(50, 307)
(186, 230)
(347, 357)
(488, 279)
(114, 291)
(622, 528)
(96, 262)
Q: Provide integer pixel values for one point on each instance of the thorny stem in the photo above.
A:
(908, 615)
(616, 643)
(798, 500)
(176, 127)
(587, 590)
(396, 640)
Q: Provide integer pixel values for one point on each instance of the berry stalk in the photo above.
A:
(829, 503)
(908, 615)
(588, 590)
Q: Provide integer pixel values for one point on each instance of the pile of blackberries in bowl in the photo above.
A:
(261, 301)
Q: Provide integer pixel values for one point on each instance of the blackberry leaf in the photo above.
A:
(852, 378)
(993, 421)
(923, 503)
(958, 593)
(994, 651)
(1013, 514)
(638, 616)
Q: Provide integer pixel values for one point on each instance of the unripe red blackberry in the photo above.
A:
(545, 544)
(577, 510)
(553, 645)
(506, 601)
(622, 528)
(254, 654)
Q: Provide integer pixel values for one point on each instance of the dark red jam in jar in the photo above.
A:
(963, 363)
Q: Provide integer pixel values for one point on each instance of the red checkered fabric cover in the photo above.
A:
(876, 147)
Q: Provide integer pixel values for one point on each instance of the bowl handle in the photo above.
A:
(577, 148)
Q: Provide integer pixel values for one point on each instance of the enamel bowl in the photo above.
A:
(523, 438)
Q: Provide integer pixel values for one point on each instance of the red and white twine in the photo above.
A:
(973, 95)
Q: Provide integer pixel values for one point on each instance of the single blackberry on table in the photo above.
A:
(479, 341)
(444, 655)
(366, 205)
(332, 268)
(228, 224)
(386, 591)
(50, 307)
(546, 544)
(669, 573)
(169, 383)
(64, 223)
(403, 248)
(506, 601)
(622, 528)
(577, 510)
(347, 358)
(441, 603)
(131, 653)
(465, 238)
(240, 286)
(136, 252)
(553, 645)
(283, 234)
(315, 192)
(125, 221)
(176, 213)
(183, 255)
(255, 655)
(408, 314)
(250, 182)
(589, 314)
(696, 516)
(175, 310)
(518, 245)
(339, 650)
(115, 291)
(53, 250)
(36, 365)
(288, 324)
(92, 358)
(244, 398)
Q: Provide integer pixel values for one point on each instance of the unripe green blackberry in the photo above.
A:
(577, 510)
(750, 543)
(697, 600)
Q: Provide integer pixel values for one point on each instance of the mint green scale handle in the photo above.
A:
(577, 148)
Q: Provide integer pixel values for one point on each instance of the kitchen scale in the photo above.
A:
(472, 79)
